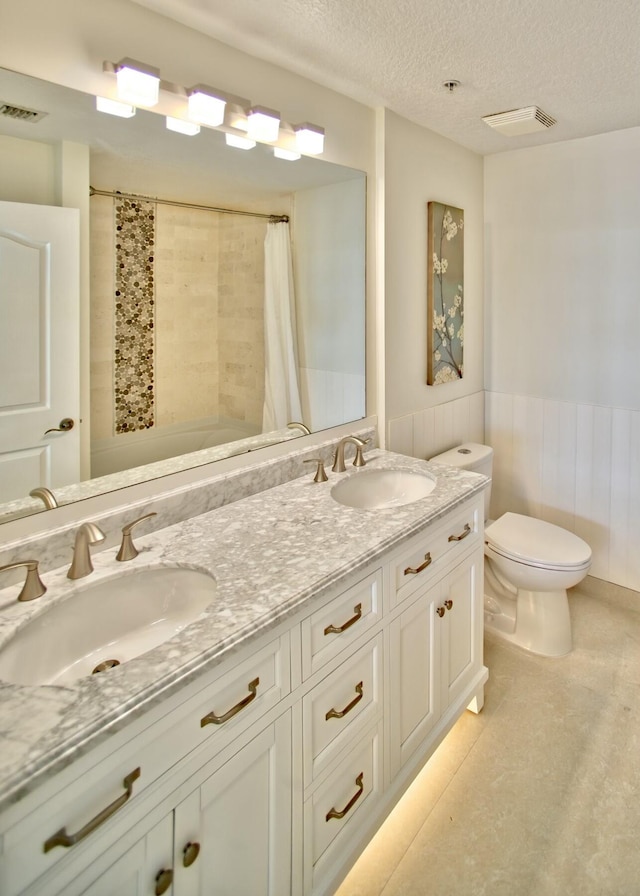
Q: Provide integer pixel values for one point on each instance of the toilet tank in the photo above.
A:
(474, 457)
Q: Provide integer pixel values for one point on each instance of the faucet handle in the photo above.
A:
(33, 585)
(321, 475)
(359, 460)
(128, 550)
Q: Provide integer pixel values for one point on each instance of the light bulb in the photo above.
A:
(239, 142)
(138, 84)
(309, 139)
(114, 107)
(206, 107)
(263, 124)
(182, 127)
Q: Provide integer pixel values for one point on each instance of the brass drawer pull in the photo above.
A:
(448, 604)
(412, 571)
(61, 838)
(334, 813)
(440, 611)
(338, 629)
(190, 853)
(340, 714)
(164, 879)
(213, 719)
(466, 531)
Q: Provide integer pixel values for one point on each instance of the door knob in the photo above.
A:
(65, 425)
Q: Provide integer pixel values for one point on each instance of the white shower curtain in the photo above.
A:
(281, 390)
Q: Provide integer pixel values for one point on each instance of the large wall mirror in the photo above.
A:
(187, 262)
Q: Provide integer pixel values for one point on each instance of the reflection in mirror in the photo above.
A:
(190, 280)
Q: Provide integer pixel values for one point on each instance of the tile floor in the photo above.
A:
(539, 795)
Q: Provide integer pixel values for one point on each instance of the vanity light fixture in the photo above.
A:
(115, 107)
(309, 138)
(206, 106)
(239, 142)
(180, 126)
(263, 124)
(289, 154)
(138, 83)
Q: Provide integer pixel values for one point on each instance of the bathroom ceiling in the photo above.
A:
(578, 60)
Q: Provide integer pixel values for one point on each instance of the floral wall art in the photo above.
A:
(445, 282)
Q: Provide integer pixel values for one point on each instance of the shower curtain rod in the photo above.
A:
(273, 219)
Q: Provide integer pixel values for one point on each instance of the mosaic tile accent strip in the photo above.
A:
(134, 314)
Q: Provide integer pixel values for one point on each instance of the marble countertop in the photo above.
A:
(269, 553)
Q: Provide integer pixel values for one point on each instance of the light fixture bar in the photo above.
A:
(138, 83)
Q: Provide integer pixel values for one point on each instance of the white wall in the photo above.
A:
(421, 166)
(562, 335)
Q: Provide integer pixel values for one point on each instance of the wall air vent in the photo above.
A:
(20, 113)
(520, 121)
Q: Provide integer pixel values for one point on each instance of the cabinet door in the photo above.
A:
(126, 869)
(414, 704)
(233, 834)
(461, 627)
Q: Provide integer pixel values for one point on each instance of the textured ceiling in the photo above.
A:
(578, 60)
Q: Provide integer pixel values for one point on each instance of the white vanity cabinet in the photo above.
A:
(268, 775)
(435, 634)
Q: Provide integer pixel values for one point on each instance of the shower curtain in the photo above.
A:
(281, 390)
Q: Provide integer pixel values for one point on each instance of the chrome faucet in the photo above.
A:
(33, 585)
(338, 457)
(87, 534)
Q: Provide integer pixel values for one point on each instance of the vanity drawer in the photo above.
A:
(339, 806)
(340, 706)
(428, 552)
(340, 623)
(98, 805)
(116, 790)
(232, 703)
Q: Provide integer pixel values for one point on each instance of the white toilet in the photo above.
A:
(529, 564)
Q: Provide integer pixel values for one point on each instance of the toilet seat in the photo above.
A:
(534, 542)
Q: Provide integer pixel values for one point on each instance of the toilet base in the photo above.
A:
(537, 621)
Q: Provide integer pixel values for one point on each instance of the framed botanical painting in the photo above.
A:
(445, 293)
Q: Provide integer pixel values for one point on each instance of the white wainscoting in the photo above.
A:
(439, 428)
(575, 465)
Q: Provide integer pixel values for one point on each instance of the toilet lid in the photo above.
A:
(536, 542)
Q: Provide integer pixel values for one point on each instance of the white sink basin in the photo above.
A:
(381, 489)
(108, 623)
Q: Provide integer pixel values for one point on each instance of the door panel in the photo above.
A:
(39, 347)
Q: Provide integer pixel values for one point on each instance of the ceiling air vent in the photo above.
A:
(520, 121)
(20, 113)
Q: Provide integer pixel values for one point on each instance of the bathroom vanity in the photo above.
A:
(258, 750)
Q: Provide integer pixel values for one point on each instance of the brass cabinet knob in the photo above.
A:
(440, 611)
(190, 853)
(164, 879)
(448, 604)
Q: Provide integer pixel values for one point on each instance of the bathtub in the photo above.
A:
(136, 449)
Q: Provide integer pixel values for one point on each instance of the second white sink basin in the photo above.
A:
(381, 489)
(104, 624)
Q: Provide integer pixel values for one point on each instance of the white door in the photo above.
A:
(39, 347)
